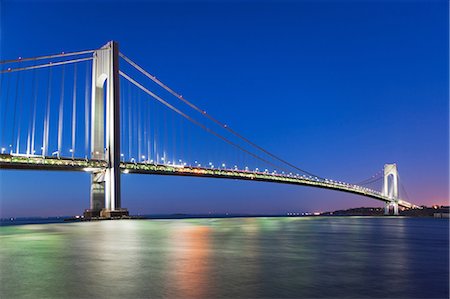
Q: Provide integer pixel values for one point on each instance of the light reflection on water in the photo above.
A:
(330, 257)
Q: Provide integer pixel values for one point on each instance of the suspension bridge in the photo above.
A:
(98, 111)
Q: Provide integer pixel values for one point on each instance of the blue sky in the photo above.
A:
(337, 87)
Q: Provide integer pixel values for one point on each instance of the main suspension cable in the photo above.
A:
(39, 66)
(207, 129)
(46, 56)
(376, 175)
(204, 113)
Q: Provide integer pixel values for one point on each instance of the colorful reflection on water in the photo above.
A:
(317, 257)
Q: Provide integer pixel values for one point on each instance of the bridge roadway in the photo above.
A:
(69, 164)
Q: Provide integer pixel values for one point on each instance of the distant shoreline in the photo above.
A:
(359, 212)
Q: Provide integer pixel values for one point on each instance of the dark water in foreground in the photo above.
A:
(313, 257)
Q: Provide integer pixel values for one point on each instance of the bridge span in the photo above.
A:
(68, 164)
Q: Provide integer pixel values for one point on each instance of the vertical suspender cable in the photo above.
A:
(122, 98)
(33, 130)
(129, 123)
(155, 135)
(132, 120)
(3, 129)
(144, 124)
(14, 112)
(181, 140)
(61, 114)
(47, 116)
(174, 138)
(136, 124)
(31, 113)
(188, 144)
(139, 129)
(21, 95)
(5, 114)
(74, 110)
(86, 113)
(150, 132)
(165, 136)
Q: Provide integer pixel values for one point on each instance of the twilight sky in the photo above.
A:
(337, 87)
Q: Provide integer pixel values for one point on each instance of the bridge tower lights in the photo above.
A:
(105, 184)
(390, 188)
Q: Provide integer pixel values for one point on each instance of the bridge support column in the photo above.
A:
(390, 188)
(395, 204)
(97, 191)
(387, 208)
(105, 186)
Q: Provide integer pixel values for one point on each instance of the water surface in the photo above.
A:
(310, 257)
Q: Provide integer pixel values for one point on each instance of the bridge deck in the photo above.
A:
(52, 163)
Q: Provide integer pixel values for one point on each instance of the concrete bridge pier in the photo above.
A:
(388, 205)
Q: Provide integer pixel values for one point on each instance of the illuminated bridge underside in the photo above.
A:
(50, 163)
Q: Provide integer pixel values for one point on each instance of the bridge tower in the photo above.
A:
(390, 188)
(105, 184)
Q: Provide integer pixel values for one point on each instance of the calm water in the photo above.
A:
(227, 258)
